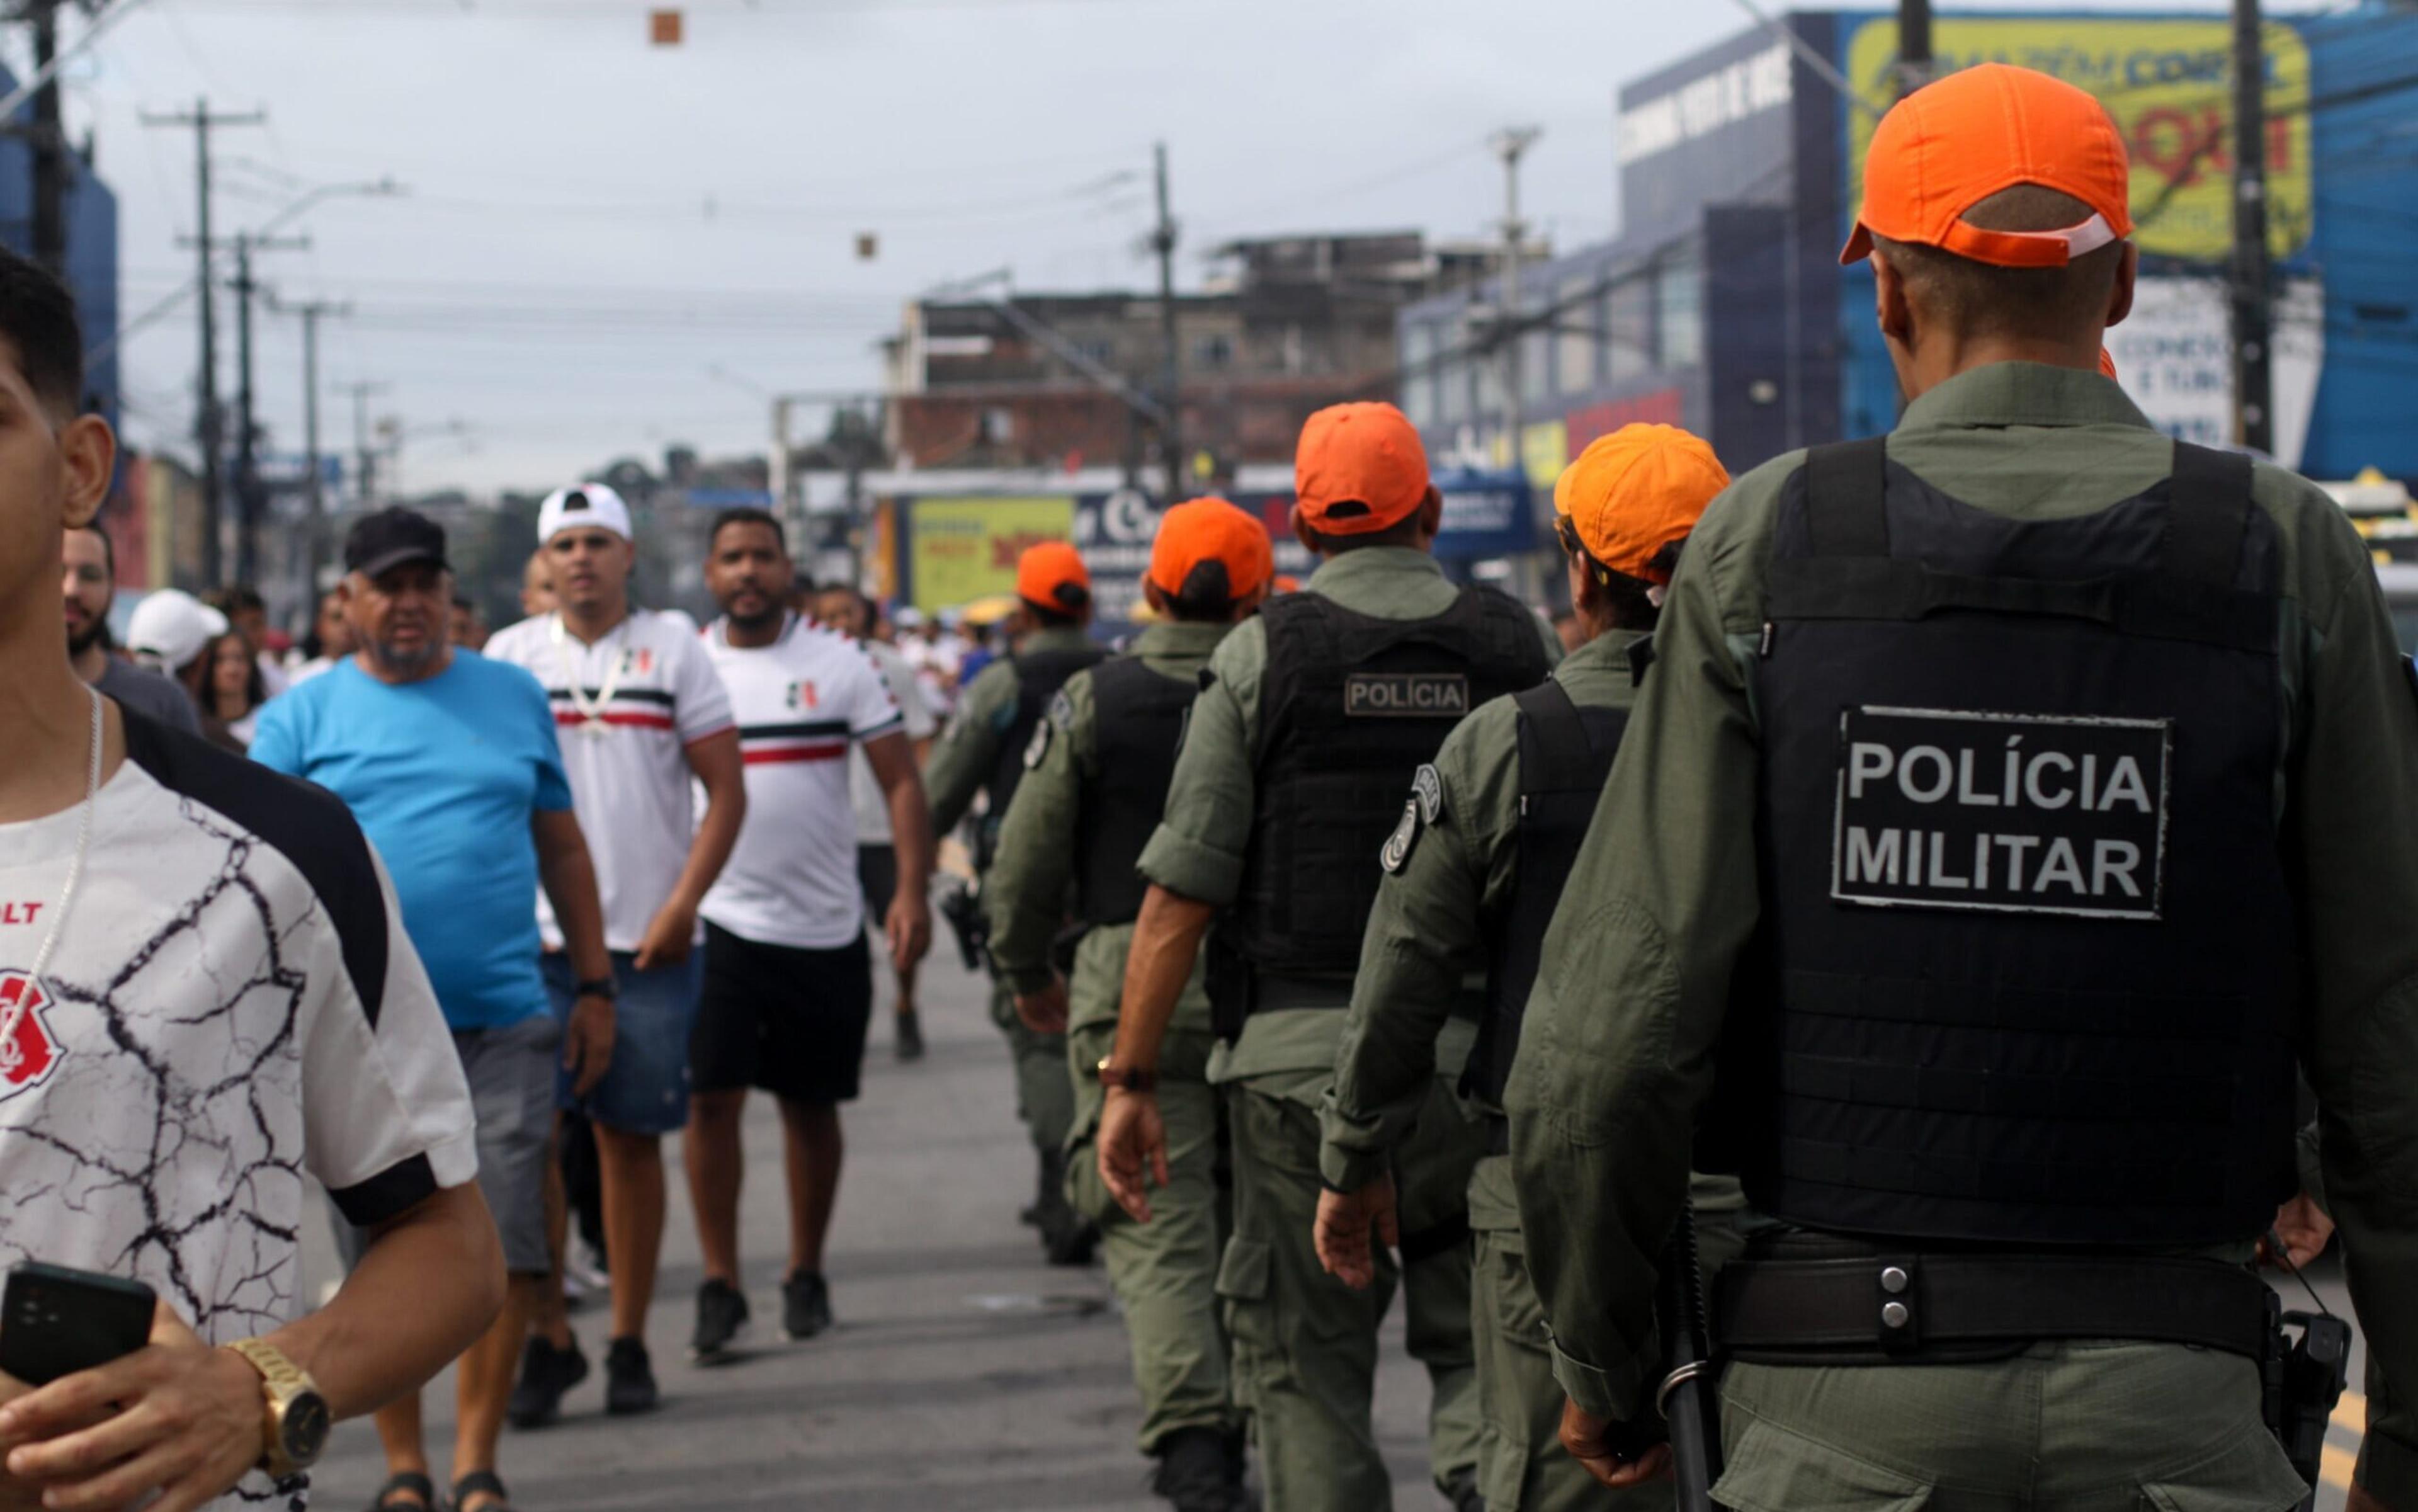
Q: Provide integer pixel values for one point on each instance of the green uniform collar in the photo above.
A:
(1371, 566)
(1055, 638)
(1177, 638)
(2005, 394)
(1607, 652)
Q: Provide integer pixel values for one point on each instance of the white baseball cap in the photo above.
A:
(170, 627)
(587, 504)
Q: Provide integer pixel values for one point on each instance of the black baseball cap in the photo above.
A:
(394, 535)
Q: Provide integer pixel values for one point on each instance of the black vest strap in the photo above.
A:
(1845, 502)
(1560, 735)
(2207, 512)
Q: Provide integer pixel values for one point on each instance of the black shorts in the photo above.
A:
(877, 872)
(790, 1021)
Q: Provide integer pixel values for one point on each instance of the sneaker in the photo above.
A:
(910, 1035)
(806, 1306)
(721, 1315)
(547, 1373)
(1196, 1473)
(629, 1379)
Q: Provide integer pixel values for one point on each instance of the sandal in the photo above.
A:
(407, 1482)
(482, 1483)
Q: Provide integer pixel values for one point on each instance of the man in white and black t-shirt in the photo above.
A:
(789, 985)
(640, 712)
(206, 995)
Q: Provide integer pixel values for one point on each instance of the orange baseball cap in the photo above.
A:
(1359, 467)
(1211, 530)
(1956, 142)
(1052, 576)
(1635, 492)
(2106, 363)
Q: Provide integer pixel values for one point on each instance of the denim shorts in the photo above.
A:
(645, 1090)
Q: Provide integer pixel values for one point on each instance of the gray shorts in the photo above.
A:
(511, 1071)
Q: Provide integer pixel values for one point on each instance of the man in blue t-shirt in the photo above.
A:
(449, 761)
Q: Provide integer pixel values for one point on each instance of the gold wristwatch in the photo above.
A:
(295, 1429)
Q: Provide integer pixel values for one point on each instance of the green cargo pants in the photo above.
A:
(1306, 1344)
(1165, 1272)
(1045, 1100)
(2076, 1426)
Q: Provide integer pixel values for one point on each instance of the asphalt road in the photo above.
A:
(964, 1375)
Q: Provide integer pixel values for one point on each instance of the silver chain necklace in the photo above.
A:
(24, 1004)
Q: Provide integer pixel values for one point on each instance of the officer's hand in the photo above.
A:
(1133, 1142)
(1345, 1220)
(1044, 1012)
(1586, 1436)
(2304, 1228)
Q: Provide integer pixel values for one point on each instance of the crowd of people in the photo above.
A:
(1893, 903)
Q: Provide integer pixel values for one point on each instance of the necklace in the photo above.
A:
(27, 995)
(591, 713)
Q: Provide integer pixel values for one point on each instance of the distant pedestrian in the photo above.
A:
(90, 566)
(232, 691)
(330, 640)
(789, 982)
(466, 626)
(249, 614)
(849, 611)
(450, 762)
(537, 586)
(168, 633)
(644, 722)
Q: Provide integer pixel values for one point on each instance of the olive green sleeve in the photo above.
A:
(2349, 847)
(1423, 939)
(1025, 895)
(1616, 1054)
(1197, 850)
(968, 751)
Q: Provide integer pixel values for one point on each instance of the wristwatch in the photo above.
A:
(1128, 1079)
(295, 1428)
(603, 986)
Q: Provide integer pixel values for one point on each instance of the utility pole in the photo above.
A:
(2254, 373)
(313, 311)
(248, 500)
(365, 463)
(1171, 375)
(50, 146)
(206, 420)
(1509, 145)
(1913, 45)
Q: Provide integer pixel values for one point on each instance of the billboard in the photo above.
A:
(964, 549)
(2165, 83)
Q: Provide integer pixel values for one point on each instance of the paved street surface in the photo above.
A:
(964, 1376)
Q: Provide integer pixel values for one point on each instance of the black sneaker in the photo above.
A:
(1196, 1473)
(806, 1306)
(721, 1314)
(547, 1373)
(910, 1035)
(629, 1379)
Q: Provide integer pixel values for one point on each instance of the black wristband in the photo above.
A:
(601, 987)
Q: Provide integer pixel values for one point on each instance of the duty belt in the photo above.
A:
(1893, 1306)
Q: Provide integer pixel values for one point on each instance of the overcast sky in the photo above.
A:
(608, 247)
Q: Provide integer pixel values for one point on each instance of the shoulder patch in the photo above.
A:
(1038, 747)
(1427, 788)
(1062, 710)
(1398, 844)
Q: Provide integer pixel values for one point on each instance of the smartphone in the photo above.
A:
(55, 1321)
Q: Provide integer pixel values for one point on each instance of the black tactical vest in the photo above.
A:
(2029, 965)
(1137, 723)
(1566, 753)
(1039, 675)
(1350, 708)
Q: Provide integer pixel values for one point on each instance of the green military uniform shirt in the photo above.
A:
(1028, 883)
(1199, 847)
(1425, 932)
(1617, 1052)
(968, 752)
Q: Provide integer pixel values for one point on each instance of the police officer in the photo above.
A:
(1310, 720)
(1472, 877)
(2011, 800)
(1094, 784)
(982, 751)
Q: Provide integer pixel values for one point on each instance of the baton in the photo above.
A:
(1687, 1398)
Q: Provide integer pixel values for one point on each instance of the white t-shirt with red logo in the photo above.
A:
(626, 709)
(802, 702)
